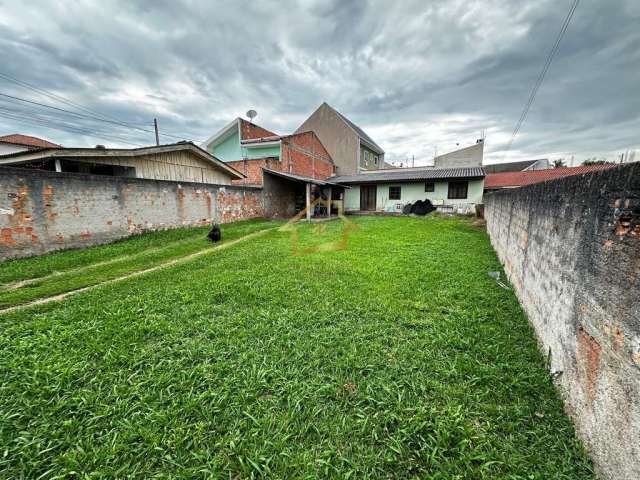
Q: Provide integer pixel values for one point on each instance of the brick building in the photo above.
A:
(250, 148)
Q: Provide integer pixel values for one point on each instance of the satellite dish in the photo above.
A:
(252, 114)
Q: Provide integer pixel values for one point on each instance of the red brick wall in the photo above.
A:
(249, 130)
(302, 154)
(253, 169)
(50, 211)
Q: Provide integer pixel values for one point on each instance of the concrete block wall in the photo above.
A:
(42, 211)
(571, 248)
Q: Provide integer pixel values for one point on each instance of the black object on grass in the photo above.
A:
(422, 207)
(215, 235)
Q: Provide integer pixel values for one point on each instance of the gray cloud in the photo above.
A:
(418, 76)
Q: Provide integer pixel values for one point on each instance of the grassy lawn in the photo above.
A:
(397, 357)
(62, 272)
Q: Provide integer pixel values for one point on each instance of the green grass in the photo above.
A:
(397, 357)
(62, 272)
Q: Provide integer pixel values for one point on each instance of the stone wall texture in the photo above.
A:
(42, 211)
(571, 248)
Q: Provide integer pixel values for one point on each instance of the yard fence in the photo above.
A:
(41, 211)
(571, 248)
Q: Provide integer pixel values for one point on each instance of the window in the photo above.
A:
(429, 187)
(458, 190)
(394, 193)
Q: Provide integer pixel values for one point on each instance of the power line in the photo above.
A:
(51, 121)
(62, 127)
(93, 114)
(543, 73)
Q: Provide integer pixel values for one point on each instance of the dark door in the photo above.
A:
(367, 197)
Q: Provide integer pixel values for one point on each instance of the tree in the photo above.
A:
(559, 163)
(595, 161)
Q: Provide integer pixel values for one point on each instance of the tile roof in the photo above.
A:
(299, 178)
(28, 141)
(399, 174)
(519, 179)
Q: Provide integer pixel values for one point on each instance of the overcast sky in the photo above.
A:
(417, 76)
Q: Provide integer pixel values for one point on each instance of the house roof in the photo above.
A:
(519, 179)
(298, 178)
(28, 141)
(247, 131)
(361, 133)
(511, 166)
(45, 153)
(414, 174)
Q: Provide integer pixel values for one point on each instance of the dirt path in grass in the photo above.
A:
(129, 256)
(170, 263)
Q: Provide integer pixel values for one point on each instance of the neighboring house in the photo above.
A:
(351, 149)
(182, 162)
(499, 181)
(21, 143)
(522, 166)
(250, 149)
(464, 157)
(449, 189)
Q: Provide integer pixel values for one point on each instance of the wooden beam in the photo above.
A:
(308, 185)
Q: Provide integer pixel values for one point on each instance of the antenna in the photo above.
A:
(252, 114)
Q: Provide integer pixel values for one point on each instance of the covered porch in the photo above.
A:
(288, 195)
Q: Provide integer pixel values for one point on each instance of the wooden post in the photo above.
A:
(329, 203)
(155, 126)
(58, 165)
(308, 202)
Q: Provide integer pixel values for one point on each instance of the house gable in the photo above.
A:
(338, 138)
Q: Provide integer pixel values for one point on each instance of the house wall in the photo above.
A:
(8, 148)
(571, 248)
(280, 196)
(228, 149)
(176, 166)
(411, 192)
(465, 157)
(302, 154)
(251, 130)
(340, 141)
(261, 152)
(371, 160)
(41, 211)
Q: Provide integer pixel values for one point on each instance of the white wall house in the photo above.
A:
(450, 189)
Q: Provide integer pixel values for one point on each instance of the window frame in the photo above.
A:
(457, 184)
(430, 190)
(399, 187)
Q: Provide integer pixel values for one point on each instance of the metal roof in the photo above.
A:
(298, 178)
(88, 153)
(398, 174)
(510, 166)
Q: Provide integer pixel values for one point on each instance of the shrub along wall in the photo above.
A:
(571, 249)
(42, 211)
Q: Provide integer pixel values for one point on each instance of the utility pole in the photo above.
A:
(155, 126)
